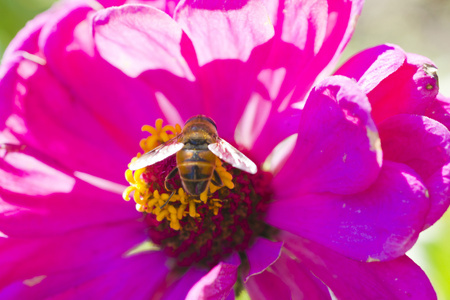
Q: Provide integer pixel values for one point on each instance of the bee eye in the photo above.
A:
(212, 122)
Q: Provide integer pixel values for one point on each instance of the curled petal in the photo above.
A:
(439, 190)
(371, 66)
(287, 279)
(380, 223)
(338, 148)
(396, 82)
(419, 142)
(439, 110)
(217, 284)
(424, 145)
(396, 279)
(261, 255)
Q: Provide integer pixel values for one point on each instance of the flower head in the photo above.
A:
(351, 167)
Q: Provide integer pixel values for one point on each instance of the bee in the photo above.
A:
(196, 149)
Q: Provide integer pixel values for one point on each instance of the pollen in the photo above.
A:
(147, 185)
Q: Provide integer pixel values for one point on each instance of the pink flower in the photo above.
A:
(362, 168)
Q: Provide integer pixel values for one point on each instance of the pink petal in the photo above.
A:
(181, 287)
(348, 279)
(167, 6)
(137, 38)
(309, 39)
(337, 147)
(419, 142)
(45, 113)
(35, 193)
(117, 278)
(382, 222)
(231, 42)
(25, 258)
(267, 286)
(424, 145)
(261, 255)
(72, 56)
(261, 128)
(439, 190)
(224, 29)
(299, 282)
(371, 66)
(394, 87)
(217, 284)
(439, 110)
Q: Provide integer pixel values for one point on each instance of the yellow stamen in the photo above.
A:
(192, 209)
(127, 192)
(162, 215)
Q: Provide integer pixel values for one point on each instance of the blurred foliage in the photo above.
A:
(429, 36)
(13, 16)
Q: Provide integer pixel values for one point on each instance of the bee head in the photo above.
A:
(201, 119)
(200, 129)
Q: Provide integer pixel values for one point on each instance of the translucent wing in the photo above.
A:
(161, 152)
(233, 156)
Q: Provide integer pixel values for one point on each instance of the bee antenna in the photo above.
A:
(167, 201)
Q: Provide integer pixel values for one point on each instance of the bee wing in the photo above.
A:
(161, 152)
(225, 151)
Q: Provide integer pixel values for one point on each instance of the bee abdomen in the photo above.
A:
(195, 171)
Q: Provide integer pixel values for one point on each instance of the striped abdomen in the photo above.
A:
(196, 167)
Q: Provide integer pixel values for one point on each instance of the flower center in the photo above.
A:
(198, 229)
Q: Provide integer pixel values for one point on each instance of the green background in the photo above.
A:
(419, 26)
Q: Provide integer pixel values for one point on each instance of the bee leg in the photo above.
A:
(169, 176)
(216, 180)
(167, 201)
(169, 187)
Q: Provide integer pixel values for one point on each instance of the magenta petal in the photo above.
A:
(267, 286)
(424, 145)
(262, 135)
(394, 89)
(337, 148)
(419, 142)
(231, 51)
(97, 281)
(381, 223)
(26, 258)
(439, 190)
(217, 284)
(261, 255)
(398, 279)
(36, 193)
(45, 113)
(237, 28)
(309, 38)
(181, 287)
(373, 65)
(439, 110)
(287, 279)
(146, 43)
(137, 38)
